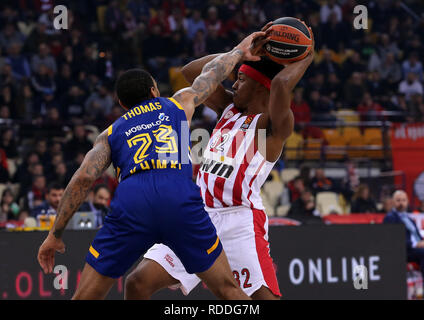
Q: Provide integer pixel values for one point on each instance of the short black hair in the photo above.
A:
(133, 87)
(100, 187)
(54, 186)
(266, 66)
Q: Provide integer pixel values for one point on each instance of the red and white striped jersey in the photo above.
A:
(233, 170)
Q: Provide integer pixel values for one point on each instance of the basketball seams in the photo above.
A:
(303, 36)
(293, 22)
(292, 44)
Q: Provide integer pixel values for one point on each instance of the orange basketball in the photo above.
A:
(291, 40)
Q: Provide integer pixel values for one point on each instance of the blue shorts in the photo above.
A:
(155, 207)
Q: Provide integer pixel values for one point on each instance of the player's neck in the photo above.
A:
(257, 105)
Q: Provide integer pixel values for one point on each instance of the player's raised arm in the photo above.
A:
(216, 71)
(95, 163)
(218, 100)
(221, 98)
(280, 117)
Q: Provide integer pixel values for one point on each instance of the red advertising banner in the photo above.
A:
(408, 156)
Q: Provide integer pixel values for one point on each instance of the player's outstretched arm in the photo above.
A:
(280, 118)
(218, 100)
(97, 160)
(216, 71)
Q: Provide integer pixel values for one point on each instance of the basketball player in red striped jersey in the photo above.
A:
(230, 178)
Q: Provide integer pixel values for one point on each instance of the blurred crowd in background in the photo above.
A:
(56, 86)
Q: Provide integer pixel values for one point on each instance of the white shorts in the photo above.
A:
(244, 236)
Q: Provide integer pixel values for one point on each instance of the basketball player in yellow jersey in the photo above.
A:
(156, 200)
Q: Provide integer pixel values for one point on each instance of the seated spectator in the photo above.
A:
(413, 65)
(106, 65)
(296, 187)
(177, 21)
(390, 71)
(8, 143)
(116, 112)
(72, 103)
(20, 65)
(215, 43)
(369, 110)
(333, 88)
(41, 149)
(154, 51)
(51, 201)
(411, 86)
(42, 81)
(350, 182)
(140, 9)
(53, 123)
(108, 181)
(43, 58)
(300, 108)
(8, 206)
(414, 241)
(388, 205)
(38, 191)
(375, 85)
(113, 17)
(353, 64)
(37, 36)
(199, 44)
(305, 175)
(99, 205)
(23, 214)
(99, 103)
(62, 174)
(331, 7)
(327, 65)
(78, 143)
(195, 22)
(322, 107)
(177, 53)
(22, 175)
(321, 183)
(161, 21)
(9, 35)
(213, 21)
(397, 103)
(416, 108)
(64, 80)
(303, 209)
(362, 202)
(169, 6)
(354, 90)
(388, 47)
(236, 24)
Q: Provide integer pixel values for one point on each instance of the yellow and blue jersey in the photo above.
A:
(156, 200)
(153, 135)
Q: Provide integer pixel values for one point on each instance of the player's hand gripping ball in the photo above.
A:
(290, 40)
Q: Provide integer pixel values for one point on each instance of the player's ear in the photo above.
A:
(122, 105)
(154, 91)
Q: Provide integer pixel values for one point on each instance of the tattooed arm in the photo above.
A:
(221, 97)
(95, 163)
(216, 71)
